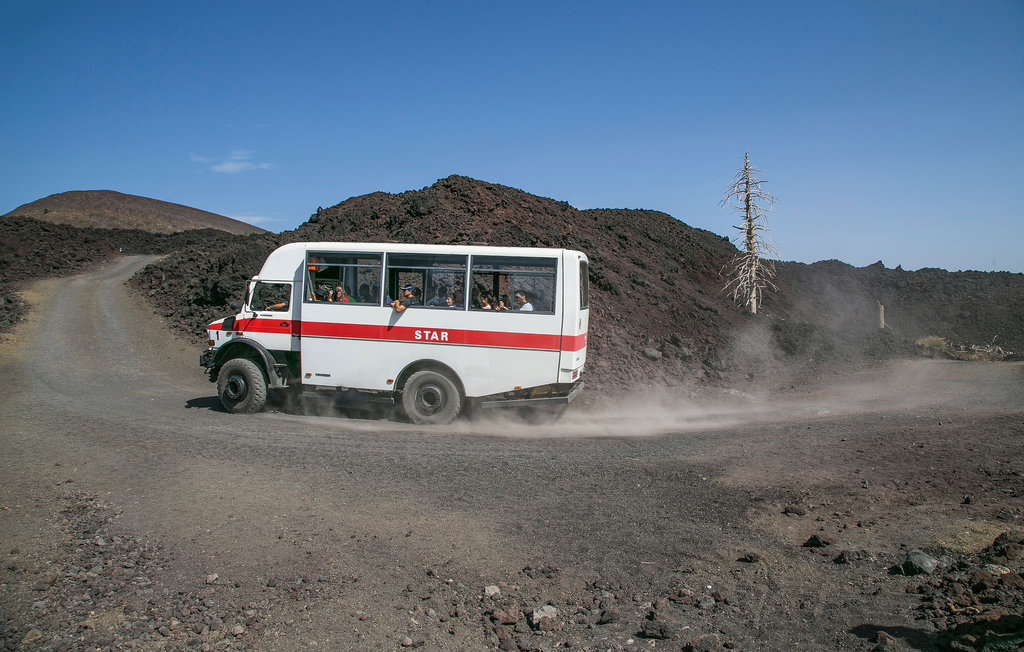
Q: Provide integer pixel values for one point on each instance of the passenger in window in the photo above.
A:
(338, 295)
(458, 299)
(364, 295)
(322, 292)
(485, 302)
(503, 303)
(521, 303)
(408, 299)
(439, 294)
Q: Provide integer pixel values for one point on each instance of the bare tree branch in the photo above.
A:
(750, 272)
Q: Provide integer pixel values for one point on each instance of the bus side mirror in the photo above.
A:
(233, 305)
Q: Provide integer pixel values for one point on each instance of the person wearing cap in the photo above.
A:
(408, 299)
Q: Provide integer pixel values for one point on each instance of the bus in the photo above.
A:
(429, 329)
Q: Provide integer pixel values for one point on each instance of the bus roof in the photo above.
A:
(283, 262)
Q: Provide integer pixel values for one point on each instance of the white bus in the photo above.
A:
(428, 328)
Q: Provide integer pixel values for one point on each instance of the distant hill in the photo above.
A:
(107, 209)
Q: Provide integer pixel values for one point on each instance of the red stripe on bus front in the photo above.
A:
(257, 325)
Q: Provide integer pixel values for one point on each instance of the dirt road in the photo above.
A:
(136, 513)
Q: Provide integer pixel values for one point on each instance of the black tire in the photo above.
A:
(431, 398)
(241, 386)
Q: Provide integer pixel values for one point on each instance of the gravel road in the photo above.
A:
(137, 514)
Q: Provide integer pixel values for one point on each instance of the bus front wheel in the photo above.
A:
(241, 386)
(431, 398)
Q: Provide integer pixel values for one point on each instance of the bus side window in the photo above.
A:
(357, 274)
(528, 282)
(433, 277)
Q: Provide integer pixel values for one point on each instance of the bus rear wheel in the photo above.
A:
(431, 398)
(241, 386)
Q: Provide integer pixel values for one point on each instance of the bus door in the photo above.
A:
(575, 317)
(343, 321)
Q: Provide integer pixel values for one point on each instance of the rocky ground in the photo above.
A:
(106, 592)
(871, 509)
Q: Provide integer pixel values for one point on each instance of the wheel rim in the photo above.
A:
(430, 399)
(236, 387)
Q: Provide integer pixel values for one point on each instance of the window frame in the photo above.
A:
(421, 269)
(359, 262)
(506, 273)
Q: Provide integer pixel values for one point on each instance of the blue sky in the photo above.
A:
(890, 131)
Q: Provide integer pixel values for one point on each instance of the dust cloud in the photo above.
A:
(909, 386)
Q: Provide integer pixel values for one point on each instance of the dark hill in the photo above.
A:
(653, 277)
(107, 209)
(658, 311)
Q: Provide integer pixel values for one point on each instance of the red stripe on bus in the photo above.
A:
(432, 335)
(574, 342)
(498, 339)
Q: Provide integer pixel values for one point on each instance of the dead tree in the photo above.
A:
(751, 271)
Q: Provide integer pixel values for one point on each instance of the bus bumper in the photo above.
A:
(544, 399)
(206, 358)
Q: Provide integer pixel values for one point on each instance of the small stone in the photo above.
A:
(406, 642)
(818, 541)
(508, 616)
(884, 642)
(709, 643)
(32, 636)
(655, 629)
(212, 578)
(918, 562)
(237, 630)
(610, 615)
(750, 558)
(544, 618)
(681, 596)
(492, 591)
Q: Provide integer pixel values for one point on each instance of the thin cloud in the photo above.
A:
(240, 160)
(254, 219)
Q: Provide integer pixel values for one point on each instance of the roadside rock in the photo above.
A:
(544, 618)
(917, 562)
(818, 541)
(655, 629)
